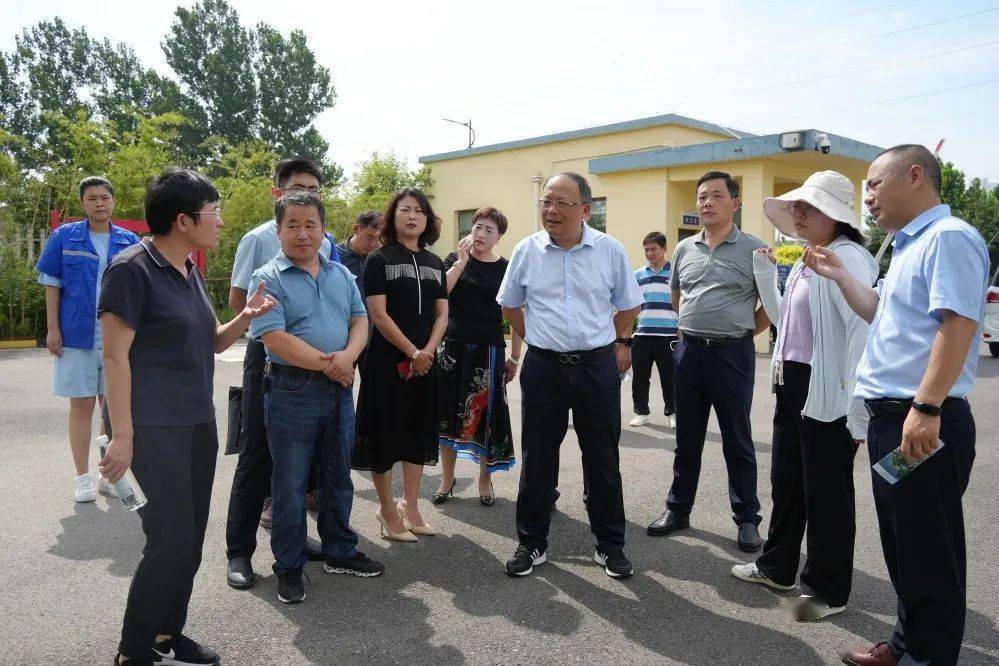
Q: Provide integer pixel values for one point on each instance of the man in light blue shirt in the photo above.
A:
(915, 373)
(313, 337)
(252, 480)
(570, 293)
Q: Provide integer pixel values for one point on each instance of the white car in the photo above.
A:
(990, 326)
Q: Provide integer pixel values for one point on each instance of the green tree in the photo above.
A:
(294, 89)
(218, 71)
(380, 176)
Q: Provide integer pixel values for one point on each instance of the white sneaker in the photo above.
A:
(85, 491)
(638, 420)
(751, 574)
(105, 487)
(807, 608)
(671, 421)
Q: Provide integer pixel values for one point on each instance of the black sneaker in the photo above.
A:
(358, 564)
(183, 651)
(615, 566)
(137, 661)
(525, 559)
(291, 590)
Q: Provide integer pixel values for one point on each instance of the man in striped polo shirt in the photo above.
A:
(657, 329)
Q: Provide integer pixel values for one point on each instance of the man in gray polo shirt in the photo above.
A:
(714, 292)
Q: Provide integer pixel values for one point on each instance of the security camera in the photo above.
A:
(823, 143)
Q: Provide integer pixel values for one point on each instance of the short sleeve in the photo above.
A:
(627, 294)
(374, 275)
(50, 263)
(442, 285)
(512, 293)
(49, 281)
(124, 292)
(450, 260)
(242, 266)
(956, 273)
(674, 274)
(334, 254)
(274, 319)
(357, 308)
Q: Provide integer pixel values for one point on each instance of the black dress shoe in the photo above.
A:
(667, 523)
(749, 538)
(313, 550)
(240, 574)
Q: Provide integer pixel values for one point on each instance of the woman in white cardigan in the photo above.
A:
(817, 424)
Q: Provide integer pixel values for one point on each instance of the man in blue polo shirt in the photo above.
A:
(71, 267)
(655, 333)
(914, 376)
(313, 338)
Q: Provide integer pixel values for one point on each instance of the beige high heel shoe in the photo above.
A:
(387, 532)
(423, 530)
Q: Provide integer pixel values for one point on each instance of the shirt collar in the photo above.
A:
(732, 237)
(654, 271)
(158, 258)
(920, 222)
(284, 263)
(588, 237)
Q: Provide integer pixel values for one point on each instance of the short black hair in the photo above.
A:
(733, 187)
(490, 213)
(657, 237)
(912, 154)
(297, 198)
(429, 235)
(95, 181)
(368, 219)
(585, 193)
(287, 168)
(173, 192)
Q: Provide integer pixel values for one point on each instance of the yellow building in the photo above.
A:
(642, 172)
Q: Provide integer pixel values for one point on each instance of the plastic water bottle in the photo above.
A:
(128, 488)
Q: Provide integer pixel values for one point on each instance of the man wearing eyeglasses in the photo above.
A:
(570, 293)
(251, 483)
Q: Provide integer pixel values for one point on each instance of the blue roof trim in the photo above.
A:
(725, 151)
(641, 123)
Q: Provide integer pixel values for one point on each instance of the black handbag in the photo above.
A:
(234, 437)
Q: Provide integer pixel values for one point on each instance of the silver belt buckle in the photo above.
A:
(568, 359)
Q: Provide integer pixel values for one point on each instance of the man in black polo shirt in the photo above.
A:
(365, 240)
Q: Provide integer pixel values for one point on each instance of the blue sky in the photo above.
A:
(520, 69)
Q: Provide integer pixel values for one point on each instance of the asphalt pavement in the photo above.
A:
(65, 567)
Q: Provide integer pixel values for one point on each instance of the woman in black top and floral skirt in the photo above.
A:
(472, 371)
(397, 406)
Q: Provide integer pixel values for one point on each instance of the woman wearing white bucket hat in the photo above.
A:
(817, 424)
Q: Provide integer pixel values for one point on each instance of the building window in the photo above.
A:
(598, 214)
(465, 222)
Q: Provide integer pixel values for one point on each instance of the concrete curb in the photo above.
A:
(18, 344)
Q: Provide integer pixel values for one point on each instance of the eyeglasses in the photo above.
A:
(560, 205)
(802, 208)
(217, 212)
(311, 189)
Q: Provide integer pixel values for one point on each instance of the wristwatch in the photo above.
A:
(416, 354)
(624, 341)
(926, 408)
(515, 361)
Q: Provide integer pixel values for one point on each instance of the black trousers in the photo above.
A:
(723, 378)
(646, 350)
(592, 391)
(922, 535)
(175, 465)
(251, 483)
(811, 478)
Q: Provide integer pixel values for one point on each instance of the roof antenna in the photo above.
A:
(471, 132)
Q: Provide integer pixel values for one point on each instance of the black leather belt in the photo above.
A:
(281, 370)
(894, 406)
(714, 342)
(571, 357)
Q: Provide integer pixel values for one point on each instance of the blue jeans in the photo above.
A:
(309, 419)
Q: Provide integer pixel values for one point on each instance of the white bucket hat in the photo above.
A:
(829, 191)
